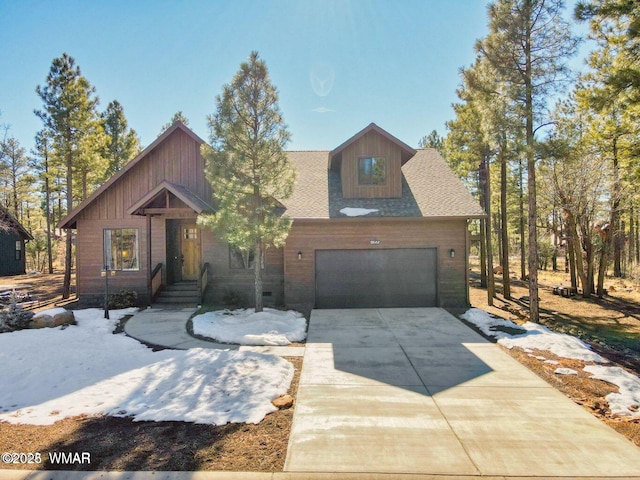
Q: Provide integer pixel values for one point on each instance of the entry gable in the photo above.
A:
(162, 199)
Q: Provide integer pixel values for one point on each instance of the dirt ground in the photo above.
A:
(611, 326)
(121, 444)
(45, 290)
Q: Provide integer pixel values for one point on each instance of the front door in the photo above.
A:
(190, 251)
(183, 250)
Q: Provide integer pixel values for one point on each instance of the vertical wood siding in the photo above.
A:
(8, 263)
(371, 145)
(176, 160)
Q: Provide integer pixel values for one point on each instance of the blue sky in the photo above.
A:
(338, 64)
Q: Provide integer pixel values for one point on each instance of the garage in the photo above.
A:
(400, 277)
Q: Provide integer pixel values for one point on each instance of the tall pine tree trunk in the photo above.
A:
(257, 269)
(66, 286)
(602, 268)
(618, 239)
(504, 233)
(485, 180)
(534, 314)
(632, 237)
(523, 268)
(47, 200)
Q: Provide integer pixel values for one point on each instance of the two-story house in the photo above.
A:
(376, 223)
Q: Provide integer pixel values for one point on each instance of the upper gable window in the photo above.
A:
(372, 171)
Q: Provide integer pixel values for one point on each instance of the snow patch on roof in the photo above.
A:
(357, 212)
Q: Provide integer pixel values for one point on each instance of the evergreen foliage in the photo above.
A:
(122, 143)
(14, 317)
(70, 115)
(248, 167)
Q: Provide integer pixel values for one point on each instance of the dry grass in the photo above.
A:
(611, 326)
(121, 444)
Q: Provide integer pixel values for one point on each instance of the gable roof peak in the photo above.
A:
(336, 154)
(70, 219)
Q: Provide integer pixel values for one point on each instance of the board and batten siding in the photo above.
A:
(307, 236)
(177, 160)
(371, 145)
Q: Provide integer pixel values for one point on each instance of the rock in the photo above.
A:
(498, 270)
(42, 321)
(47, 321)
(64, 318)
(284, 401)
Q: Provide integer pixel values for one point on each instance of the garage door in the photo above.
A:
(404, 277)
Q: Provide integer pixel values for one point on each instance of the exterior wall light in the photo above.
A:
(452, 253)
(299, 255)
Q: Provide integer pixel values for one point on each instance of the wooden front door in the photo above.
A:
(190, 251)
(183, 251)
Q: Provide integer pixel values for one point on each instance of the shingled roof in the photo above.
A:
(429, 189)
(8, 223)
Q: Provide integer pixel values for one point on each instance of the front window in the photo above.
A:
(372, 171)
(18, 250)
(121, 249)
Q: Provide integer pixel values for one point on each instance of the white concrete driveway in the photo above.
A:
(416, 391)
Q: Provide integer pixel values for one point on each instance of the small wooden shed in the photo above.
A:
(12, 244)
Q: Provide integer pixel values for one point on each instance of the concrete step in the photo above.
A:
(184, 299)
(179, 293)
(182, 286)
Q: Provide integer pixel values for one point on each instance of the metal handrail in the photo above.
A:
(203, 279)
(156, 280)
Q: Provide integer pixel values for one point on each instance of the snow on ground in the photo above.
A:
(629, 385)
(565, 371)
(488, 324)
(52, 312)
(53, 373)
(357, 212)
(534, 336)
(245, 327)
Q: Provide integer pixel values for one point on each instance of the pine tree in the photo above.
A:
(42, 165)
(69, 113)
(122, 143)
(177, 117)
(247, 166)
(433, 140)
(14, 162)
(528, 45)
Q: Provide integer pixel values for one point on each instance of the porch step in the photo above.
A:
(182, 293)
(183, 286)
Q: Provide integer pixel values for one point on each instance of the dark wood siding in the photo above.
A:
(308, 236)
(9, 265)
(371, 144)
